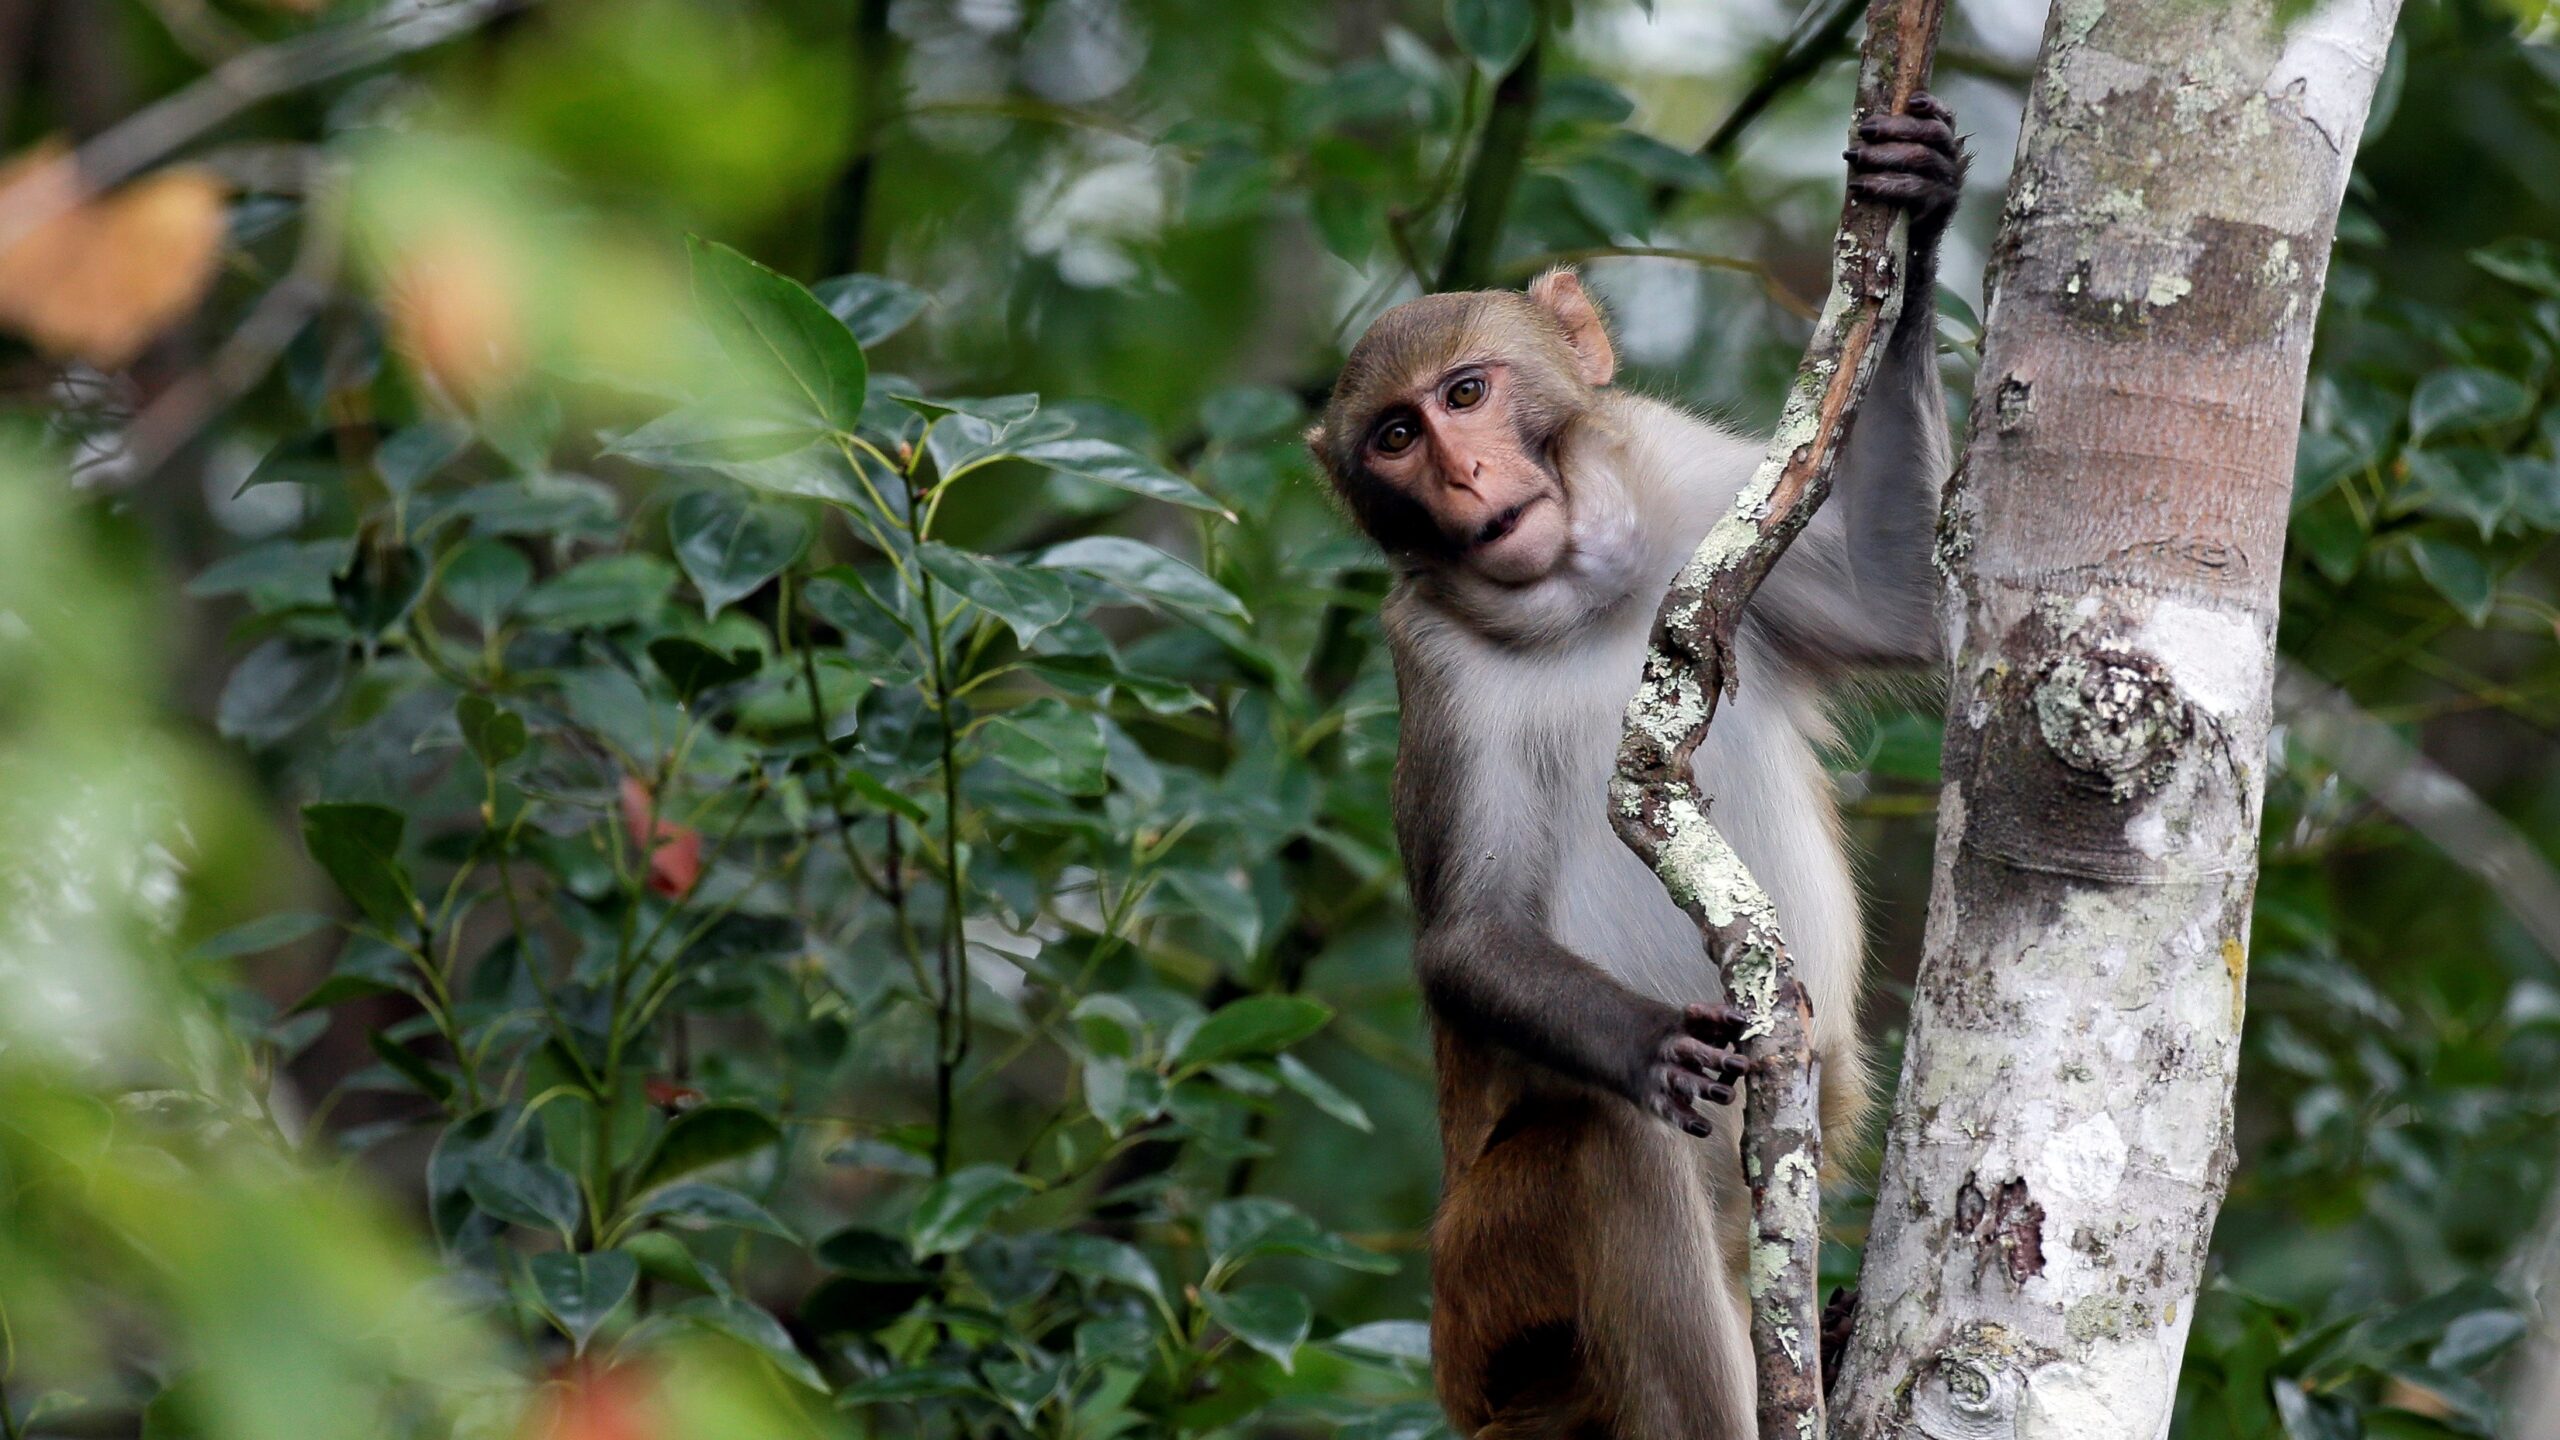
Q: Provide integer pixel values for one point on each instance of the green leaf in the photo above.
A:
(1254, 1025)
(730, 546)
(484, 579)
(956, 1207)
(265, 933)
(1253, 1225)
(1048, 742)
(2466, 484)
(2475, 1339)
(999, 413)
(580, 1291)
(769, 323)
(1027, 600)
(1143, 573)
(1218, 901)
(359, 846)
(1402, 1342)
(280, 687)
(754, 1327)
(2320, 461)
(872, 307)
(411, 1066)
(1024, 1385)
(496, 736)
(2466, 399)
(1103, 1258)
(2459, 574)
(1271, 1318)
(278, 575)
(693, 667)
(413, 456)
(608, 590)
(2519, 260)
(905, 1387)
(707, 1204)
(1245, 414)
(1321, 1093)
(1121, 468)
(713, 433)
(380, 582)
(701, 1138)
(1109, 1025)
(1494, 33)
(524, 1192)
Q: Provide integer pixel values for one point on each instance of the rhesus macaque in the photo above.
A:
(1587, 1257)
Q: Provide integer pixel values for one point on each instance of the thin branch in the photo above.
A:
(1657, 807)
(1779, 295)
(1820, 33)
(160, 129)
(251, 350)
(1485, 196)
(878, 62)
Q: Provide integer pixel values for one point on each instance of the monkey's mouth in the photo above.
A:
(1503, 524)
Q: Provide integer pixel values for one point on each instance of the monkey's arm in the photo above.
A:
(1505, 980)
(1857, 589)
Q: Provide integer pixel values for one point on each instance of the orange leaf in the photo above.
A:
(586, 1401)
(675, 851)
(98, 276)
(454, 309)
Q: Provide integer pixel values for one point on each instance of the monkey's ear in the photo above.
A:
(1559, 292)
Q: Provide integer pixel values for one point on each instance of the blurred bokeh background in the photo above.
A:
(578, 857)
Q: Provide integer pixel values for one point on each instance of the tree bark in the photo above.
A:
(2112, 544)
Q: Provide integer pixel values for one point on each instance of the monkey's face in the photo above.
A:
(1443, 431)
(1455, 448)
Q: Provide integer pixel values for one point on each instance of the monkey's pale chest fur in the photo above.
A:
(1544, 711)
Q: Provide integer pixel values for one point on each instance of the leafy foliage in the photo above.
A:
(834, 882)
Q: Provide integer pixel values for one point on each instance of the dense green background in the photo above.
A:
(580, 816)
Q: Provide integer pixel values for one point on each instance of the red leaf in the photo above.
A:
(675, 851)
(586, 1401)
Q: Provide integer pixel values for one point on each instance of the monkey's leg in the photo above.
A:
(1662, 1309)
(1507, 1349)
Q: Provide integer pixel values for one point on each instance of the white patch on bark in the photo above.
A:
(2218, 657)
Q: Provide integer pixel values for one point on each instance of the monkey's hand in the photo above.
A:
(1913, 160)
(1696, 1061)
(1839, 1322)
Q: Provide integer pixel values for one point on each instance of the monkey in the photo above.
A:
(1587, 1252)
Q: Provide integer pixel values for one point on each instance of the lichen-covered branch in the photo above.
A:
(2112, 546)
(1656, 805)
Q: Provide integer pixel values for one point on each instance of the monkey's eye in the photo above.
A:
(1396, 437)
(1466, 392)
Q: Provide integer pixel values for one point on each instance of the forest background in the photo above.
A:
(598, 835)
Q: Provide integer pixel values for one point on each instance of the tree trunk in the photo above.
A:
(2112, 545)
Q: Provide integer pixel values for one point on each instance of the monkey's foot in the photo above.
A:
(1839, 1321)
(1696, 1062)
(1913, 160)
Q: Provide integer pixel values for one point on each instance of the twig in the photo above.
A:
(144, 138)
(1779, 295)
(243, 359)
(1657, 808)
(1485, 197)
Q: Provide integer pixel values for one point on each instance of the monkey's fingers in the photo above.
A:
(1716, 1024)
(1839, 1322)
(1908, 191)
(1928, 107)
(1675, 1097)
(1936, 135)
(1904, 158)
(1711, 1070)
